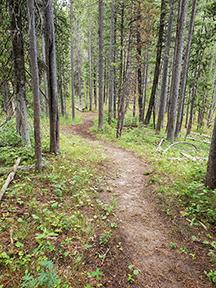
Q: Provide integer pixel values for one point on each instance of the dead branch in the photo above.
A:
(193, 158)
(81, 109)
(10, 178)
(158, 148)
(197, 140)
(179, 143)
(6, 170)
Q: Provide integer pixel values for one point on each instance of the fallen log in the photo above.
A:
(179, 143)
(193, 158)
(10, 178)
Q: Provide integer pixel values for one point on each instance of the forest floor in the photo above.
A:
(94, 216)
(147, 234)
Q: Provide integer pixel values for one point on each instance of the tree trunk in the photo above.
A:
(185, 71)
(19, 71)
(95, 88)
(79, 64)
(51, 76)
(139, 62)
(177, 65)
(121, 67)
(72, 59)
(90, 72)
(125, 92)
(101, 72)
(163, 95)
(111, 64)
(35, 83)
(145, 84)
(211, 170)
(114, 68)
(45, 76)
(158, 62)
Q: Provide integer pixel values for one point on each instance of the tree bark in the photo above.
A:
(51, 76)
(177, 66)
(158, 62)
(101, 68)
(19, 70)
(185, 68)
(35, 83)
(111, 64)
(139, 62)
(210, 180)
(163, 95)
(72, 59)
(90, 72)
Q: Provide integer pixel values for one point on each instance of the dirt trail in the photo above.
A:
(145, 231)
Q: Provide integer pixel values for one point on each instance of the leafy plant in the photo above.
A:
(46, 277)
(134, 272)
(97, 274)
(211, 275)
(105, 237)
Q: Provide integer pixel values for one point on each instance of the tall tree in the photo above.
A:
(158, 62)
(72, 58)
(101, 72)
(139, 62)
(185, 71)
(90, 71)
(35, 82)
(211, 170)
(163, 95)
(49, 32)
(22, 128)
(177, 66)
(111, 64)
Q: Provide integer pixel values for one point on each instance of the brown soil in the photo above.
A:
(145, 231)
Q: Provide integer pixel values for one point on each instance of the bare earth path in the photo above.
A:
(145, 231)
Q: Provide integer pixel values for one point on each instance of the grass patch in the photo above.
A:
(180, 181)
(52, 226)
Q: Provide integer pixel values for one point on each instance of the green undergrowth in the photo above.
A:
(177, 177)
(178, 181)
(54, 231)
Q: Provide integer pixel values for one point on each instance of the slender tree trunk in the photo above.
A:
(51, 76)
(158, 62)
(146, 69)
(139, 62)
(45, 76)
(177, 66)
(19, 71)
(192, 106)
(134, 105)
(72, 58)
(61, 92)
(211, 170)
(114, 68)
(163, 95)
(35, 83)
(111, 64)
(79, 64)
(95, 88)
(124, 92)
(185, 71)
(90, 72)
(101, 69)
(121, 67)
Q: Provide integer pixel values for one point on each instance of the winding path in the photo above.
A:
(145, 231)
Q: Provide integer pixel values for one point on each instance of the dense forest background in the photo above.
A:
(147, 69)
